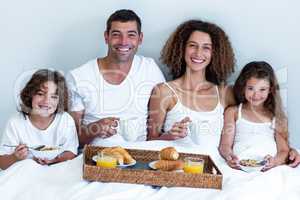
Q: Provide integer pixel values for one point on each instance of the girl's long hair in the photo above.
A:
(262, 70)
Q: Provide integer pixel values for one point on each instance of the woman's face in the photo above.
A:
(198, 51)
(257, 91)
(45, 101)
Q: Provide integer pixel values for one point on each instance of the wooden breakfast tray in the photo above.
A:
(211, 178)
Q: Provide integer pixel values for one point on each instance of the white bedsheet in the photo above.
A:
(29, 180)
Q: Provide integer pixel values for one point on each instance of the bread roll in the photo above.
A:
(169, 165)
(168, 153)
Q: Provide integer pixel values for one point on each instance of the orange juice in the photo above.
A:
(193, 166)
(107, 162)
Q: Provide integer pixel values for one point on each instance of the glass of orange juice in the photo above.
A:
(106, 161)
(193, 165)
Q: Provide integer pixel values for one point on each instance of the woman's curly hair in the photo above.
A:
(34, 86)
(222, 62)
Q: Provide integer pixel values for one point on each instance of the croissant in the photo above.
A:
(119, 157)
(125, 155)
(169, 165)
(168, 153)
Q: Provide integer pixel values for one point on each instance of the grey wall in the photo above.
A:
(63, 34)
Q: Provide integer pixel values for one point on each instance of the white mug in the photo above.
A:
(197, 129)
(129, 128)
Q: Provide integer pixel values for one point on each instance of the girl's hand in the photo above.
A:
(21, 152)
(294, 158)
(233, 161)
(179, 129)
(42, 161)
(271, 162)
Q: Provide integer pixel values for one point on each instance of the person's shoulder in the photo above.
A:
(226, 95)
(162, 89)
(145, 63)
(232, 111)
(17, 118)
(148, 67)
(83, 69)
(65, 116)
(144, 60)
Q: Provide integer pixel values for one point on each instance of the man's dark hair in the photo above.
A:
(124, 15)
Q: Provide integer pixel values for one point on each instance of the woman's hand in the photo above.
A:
(233, 161)
(21, 152)
(179, 129)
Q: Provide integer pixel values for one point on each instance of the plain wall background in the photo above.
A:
(64, 34)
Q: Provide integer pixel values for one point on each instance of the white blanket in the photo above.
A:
(29, 180)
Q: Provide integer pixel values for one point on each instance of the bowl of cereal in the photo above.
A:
(252, 164)
(46, 152)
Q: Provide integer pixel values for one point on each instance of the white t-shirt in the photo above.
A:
(61, 132)
(99, 99)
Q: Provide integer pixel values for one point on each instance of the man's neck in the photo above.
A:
(113, 72)
(108, 63)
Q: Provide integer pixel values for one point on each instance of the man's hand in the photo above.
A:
(294, 158)
(104, 128)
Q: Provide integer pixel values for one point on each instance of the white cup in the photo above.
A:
(197, 129)
(129, 128)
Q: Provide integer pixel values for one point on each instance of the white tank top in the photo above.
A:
(207, 125)
(253, 139)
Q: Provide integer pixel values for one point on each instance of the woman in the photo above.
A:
(191, 106)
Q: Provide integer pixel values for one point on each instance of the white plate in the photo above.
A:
(94, 158)
(152, 166)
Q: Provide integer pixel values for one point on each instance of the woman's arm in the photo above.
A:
(161, 101)
(227, 137)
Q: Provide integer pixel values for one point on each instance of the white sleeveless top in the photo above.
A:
(205, 128)
(253, 139)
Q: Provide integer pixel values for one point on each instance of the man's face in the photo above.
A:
(123, 40)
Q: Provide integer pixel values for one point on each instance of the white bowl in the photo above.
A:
(48, 154)
(253, 168)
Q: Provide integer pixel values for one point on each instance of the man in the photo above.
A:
(117, 87)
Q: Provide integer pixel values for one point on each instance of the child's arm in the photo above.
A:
(227, 137)
(66, 155)
(20, 153)
(282, 153)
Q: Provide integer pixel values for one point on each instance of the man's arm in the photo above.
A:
(102, 128)
(82, 130)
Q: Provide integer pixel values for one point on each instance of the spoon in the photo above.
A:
(39, 147)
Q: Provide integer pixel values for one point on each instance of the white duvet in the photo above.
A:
(29, 180)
